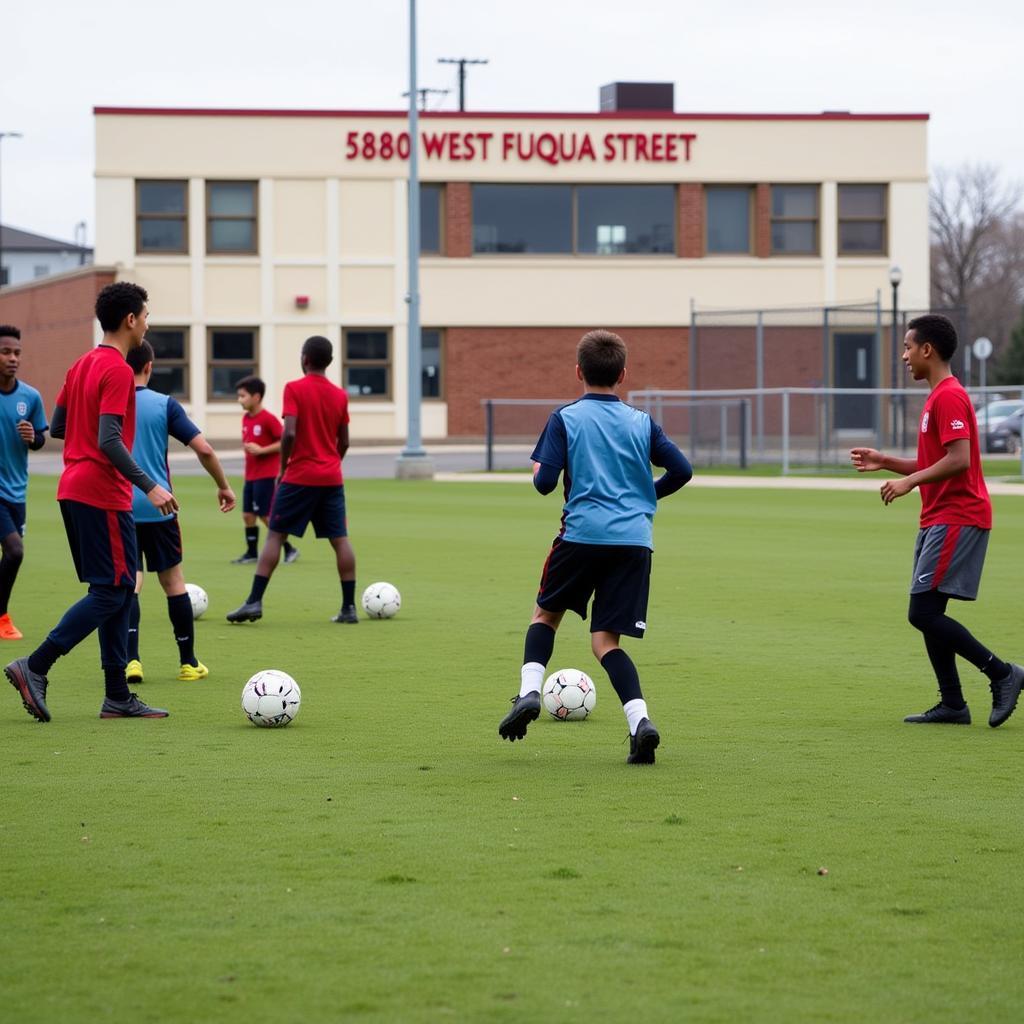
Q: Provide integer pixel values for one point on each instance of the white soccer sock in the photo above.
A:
(532, 678)
(635, 711)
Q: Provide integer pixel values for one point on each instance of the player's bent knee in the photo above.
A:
(13, 549)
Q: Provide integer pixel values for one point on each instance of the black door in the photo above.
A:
(853, 356)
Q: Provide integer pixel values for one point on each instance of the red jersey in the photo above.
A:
(262, 428)
(319, 408)
(960, 500)
(100, 383)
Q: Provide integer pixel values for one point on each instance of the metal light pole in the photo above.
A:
(4, 135)
(895, 276)
(413, 461)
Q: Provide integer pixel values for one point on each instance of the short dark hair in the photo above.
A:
(254, 385)
(319, 352)
(8, 331)
(138, 357)
(116, 301)
(602, 358)
(938, 331)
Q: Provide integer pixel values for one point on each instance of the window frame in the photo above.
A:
(252, 366)
(751, 191)
(140, 216)
(387, 363)
(883, 220)
(440, 396)
(184, 362)
(254, 218)
(815, 220)
(442, 193)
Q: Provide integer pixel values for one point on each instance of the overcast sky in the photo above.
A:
(960, 62)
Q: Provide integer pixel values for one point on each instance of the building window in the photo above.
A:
(431, 345)
(232, 356)
(616, 219)
(170, 367)
(862, 216)
(41, 270)
(161, 216)
(368, 363)
(231, 217)
(431, 240)
(522, 218)
(728, 211)
(794, 220)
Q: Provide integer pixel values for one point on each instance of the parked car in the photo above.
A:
(1006, 436)
(991, 416)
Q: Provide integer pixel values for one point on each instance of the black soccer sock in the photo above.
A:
(259, 588)
(179, 611)
(134, 616)
(288, 549)
(348, 593)
(42, 658)
(995, 669)
(943, 659)
(928, 614)
(115, 683)
(9, 566)
(252, 539)
(540, 643)
(623, 675)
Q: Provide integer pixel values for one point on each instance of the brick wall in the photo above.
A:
(763, 220)
(458, 219)
(56, 320)
(691, 221)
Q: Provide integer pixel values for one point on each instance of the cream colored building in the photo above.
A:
(254, 229)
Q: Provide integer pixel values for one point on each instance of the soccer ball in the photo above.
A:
(381, 600)
(271, 698)
(569, 695)
(199, 599)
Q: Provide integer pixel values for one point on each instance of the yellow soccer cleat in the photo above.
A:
(8, 630)
(190, 673)
(133, 672)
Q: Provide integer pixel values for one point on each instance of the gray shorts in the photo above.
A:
(949, 559)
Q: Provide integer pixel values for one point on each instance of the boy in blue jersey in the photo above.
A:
(157, 418)
(604, 450)
(23, 426)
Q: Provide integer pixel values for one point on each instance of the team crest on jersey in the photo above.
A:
(924, 422)
(257, 430)
(956, 425)
(22, 408)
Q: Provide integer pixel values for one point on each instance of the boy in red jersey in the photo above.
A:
(956, 517)
(95, 414)
(261, 440)
(310, 487)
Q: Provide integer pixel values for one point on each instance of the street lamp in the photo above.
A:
(4, 135)
(895, 276)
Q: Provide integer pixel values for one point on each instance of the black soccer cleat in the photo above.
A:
(643, 743)
(251, 611)
(292, 556)
(347, 614)
(524, 711)
(245, 559)
(31, 686)
(941, 714)
(1004, 695)
(130, 708)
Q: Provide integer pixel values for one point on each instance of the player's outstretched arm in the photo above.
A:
(209, 461)
(956, 460)
(868, 460)
(112, 445)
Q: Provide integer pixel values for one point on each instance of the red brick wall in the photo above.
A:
(539, 362)
(458, 219)
(56, 321)
(763, 221)
(691, 221)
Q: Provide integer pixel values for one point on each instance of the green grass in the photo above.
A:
(387, 858)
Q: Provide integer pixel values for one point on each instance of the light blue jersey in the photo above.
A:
(23, 403)
(605, 449)
(157, 417)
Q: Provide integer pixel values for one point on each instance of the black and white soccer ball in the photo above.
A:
(199, 598)
(569, 695)
(381, 600)
(271, 698)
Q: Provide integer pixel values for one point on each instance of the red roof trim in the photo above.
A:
(625, 115)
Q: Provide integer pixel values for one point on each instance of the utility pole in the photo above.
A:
(4, 135)
(424, 92)
(462, 62)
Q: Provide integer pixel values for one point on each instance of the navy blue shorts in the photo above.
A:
(159, 543)
(258, 496)
(12, 518)
(102, 543)
(296, 506)
(617, 576)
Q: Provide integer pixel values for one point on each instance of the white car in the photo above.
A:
(992, 415)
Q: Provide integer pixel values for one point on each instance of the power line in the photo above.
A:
(462, 62)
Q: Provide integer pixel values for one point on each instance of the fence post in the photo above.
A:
(760, 381)
(785, 432)
(723, 430)
(489, 417)
(744, 406)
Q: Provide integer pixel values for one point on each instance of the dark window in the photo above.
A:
(232, 356)
(161, 216)
(614, 219)
(431, 343)
(430, 219)
(368, 363)
(231, 216)
(795, 220)
(727, 214)
(170, 367)
(862, 220)
(522, 218)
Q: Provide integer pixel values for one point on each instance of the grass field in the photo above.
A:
(387, 858)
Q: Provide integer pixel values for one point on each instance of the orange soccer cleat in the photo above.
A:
(8, 630)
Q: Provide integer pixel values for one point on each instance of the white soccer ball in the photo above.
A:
(381, 600)
(271, 698)
(569, 695)
(198, 597)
